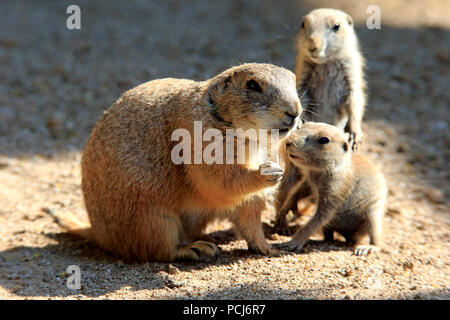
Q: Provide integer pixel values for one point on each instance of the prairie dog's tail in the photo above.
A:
(71, 224)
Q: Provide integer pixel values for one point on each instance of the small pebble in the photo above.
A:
(394, 211)
(172, 269)
(48, 210)
(436, 196)
(173, 284)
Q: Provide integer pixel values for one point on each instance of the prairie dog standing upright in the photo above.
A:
(329, 72)
(351, 191)
(143, 205)
(331, 86)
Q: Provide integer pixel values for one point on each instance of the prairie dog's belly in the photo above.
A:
(324, 91)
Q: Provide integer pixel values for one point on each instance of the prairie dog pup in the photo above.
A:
(329, 72)
(351, 191)
(330, 80)
(145, 207)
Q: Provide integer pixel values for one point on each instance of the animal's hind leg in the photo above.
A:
(193, 225)
(362, 249)
(153, 235)
(161, 237)
(375, 224)
(374, 228)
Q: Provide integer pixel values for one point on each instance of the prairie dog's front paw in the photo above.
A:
(266, 250)
(292, 245)
(271, 172)
(354, 136)
(355, 140)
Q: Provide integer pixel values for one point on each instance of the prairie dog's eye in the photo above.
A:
(336, 27)
(303, 25)
(323, 140)
(253, 85)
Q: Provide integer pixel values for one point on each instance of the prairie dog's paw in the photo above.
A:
(271, 172)
(364, 250)
(355, 136)
(292, 245)
(355, 140)
(197, 249)
(266, 250)
(273, 252)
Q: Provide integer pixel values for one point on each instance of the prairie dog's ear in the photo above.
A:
(226, 82)
(219, 85)
(349, 19)
(302, 25)
(223, 85)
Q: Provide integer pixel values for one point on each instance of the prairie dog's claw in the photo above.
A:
(291, 245)
(265, 250)
(353, 129)
(355, 141)
(365, 250)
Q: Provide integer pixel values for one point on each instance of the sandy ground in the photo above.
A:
(55, 83)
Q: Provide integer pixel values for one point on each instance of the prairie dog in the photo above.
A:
(330, 82)
(329, 72)
(145, 207)
(351, 191)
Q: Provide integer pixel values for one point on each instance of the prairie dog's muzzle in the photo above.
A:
(316, 46)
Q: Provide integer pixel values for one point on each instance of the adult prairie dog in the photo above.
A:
(143, 205)
(351, 191)
(329, 72)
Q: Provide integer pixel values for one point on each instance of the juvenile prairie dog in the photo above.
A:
(351, 191)
(329, 72)
(145, 207)
(331, 86)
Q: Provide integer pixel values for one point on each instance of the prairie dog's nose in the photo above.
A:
(314, 43)
(291, 118)
(295, 109)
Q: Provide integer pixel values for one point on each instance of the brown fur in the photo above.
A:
(330, 78)
(331, 85)
(351, 191)
(143, 206)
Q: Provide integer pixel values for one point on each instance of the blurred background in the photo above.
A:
(55, 83)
